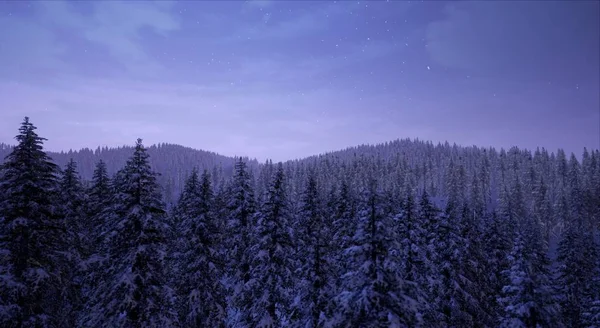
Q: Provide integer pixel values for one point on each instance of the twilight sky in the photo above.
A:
(289, 79)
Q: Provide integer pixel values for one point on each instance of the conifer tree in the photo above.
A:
(33, 264)
(134, 290)
(98, 213)
(99, 198)
(201, 294)
(374, 295)
(452, 293)
(344, 226)
(577, 254)
(415, 267)
(497, 248)
(317, 283)
(271, 269)
(240, 221)
(72, 202)
(527, 299)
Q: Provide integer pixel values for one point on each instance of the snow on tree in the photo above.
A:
(98, 196)
(374, 294)
(458, 259)
(33, 258)
(271, 268)
(240, 222)
(415, 266)
(134, 290)
(527, 299)
(72, 202)
(316, 271)
(577, 253)
(344, 226)
(497, 247)
(201, 294)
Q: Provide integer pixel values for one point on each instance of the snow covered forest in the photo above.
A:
(402, 234)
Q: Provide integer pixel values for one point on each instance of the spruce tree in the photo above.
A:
(317, 283)
(271, 268)
(98, 213)
(415, 266)
(374, 294)
(577, 254)
(72, 202)
(344, 226)
(497, 248)
(99, 196)
(452, 291)
(201, 294)
(33, 256)
(528, 298)
(134, 290)
(240, 222)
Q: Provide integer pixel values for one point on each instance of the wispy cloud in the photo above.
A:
(486, 36)
(297, 24)
(115, 26)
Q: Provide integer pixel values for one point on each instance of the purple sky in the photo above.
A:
(289, 79)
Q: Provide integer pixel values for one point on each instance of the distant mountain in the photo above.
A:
(173, 162)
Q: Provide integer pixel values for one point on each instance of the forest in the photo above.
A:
(402, 234)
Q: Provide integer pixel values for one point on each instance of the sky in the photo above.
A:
(285, 80)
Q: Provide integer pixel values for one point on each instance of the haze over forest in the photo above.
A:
(301, 164)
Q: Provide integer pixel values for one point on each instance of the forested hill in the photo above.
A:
(403, 234)
(173, 162)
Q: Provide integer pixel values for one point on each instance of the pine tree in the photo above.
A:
(527, 299)
(32, 234)
(497, 248)
(72, 201)
(344, 226)
(577, 254)
(317, 283)
(98, 213)
(240, 221)
(201, 294)
(452, 292)
(271, 266)
(474, 269)
(99, 197)
(134, 290)
(374, 294)
(415, 266)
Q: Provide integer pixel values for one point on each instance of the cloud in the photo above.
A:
(117, 27)
(302, 22)
(292, 72)
(28, 45)
(506, 35)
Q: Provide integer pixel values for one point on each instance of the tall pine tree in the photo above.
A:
(33, 264)
(317, 283)
(270, 283)
(134, 290)
(201, 294)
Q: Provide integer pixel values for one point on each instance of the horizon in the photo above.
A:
(551, 152)
(288, 80)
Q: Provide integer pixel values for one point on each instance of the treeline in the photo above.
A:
(369, 237)
(174, 163)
